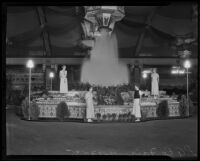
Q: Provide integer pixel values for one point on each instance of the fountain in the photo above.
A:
(103, 67)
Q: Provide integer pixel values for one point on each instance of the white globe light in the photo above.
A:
(51, 74)
(173, 71)
(144, 75)
(187, 64)
(30, 64)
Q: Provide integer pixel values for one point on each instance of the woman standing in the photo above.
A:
(136, 104)
(89, 105)
(154, 83)
(63, 80)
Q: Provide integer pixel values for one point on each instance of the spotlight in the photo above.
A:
(187, 64)
(51, 74)
(144, 75)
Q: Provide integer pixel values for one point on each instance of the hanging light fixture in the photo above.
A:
(102, 17)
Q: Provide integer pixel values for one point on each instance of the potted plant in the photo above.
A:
(109, 116)
(183, 106)
(129, 117)
(143, 115)
(125, 117)
(98, 115)
(34, 111)
(132, 118)
(62, 111)
(120, 117)
(113, 117)
(104, 117)
(162, 111)
(25, 106)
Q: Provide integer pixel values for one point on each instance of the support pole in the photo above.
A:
(51, 84)
(188, 111)
(29, 95)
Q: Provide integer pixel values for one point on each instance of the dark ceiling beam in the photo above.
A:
(45, 34)
(142, 35)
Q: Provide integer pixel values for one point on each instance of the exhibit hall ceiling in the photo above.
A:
(145, 31)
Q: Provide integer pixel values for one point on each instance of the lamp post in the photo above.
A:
(29, 65)
(51, 75)
(144, 76)
(187, 65)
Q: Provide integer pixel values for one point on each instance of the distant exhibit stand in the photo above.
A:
(77, 107)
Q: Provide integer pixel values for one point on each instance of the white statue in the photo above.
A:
(63, 80)
(155, 83)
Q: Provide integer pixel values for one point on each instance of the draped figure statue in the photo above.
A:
(63, 80)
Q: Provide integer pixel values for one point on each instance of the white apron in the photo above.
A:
(89, 105)
(136, 108)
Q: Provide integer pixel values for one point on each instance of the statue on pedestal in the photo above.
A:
(63, 80)
(154, 84)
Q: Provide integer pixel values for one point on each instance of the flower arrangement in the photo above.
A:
(102, 95)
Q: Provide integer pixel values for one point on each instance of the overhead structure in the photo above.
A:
(101, 17)
(142, 31)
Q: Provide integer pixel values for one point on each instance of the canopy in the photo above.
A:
(144, 31)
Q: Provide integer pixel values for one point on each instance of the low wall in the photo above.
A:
(48, 110)
(77, 107)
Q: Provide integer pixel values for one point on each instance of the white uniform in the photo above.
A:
(136, 107)
(89, 105)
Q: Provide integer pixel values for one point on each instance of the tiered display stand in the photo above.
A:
(77, 107)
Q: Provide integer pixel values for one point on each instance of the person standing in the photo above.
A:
(63, 80)
(136, 104)
(89, 105)
(154, 84)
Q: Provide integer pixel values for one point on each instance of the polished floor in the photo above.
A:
(175, 138)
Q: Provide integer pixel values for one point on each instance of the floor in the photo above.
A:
(175, 138)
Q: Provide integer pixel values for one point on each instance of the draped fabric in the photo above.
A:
(69, 11)
(24, 51)
(176, 11)
(172, 26)
(147, 51)
(158, 37)
(67, 52)
(63, 29)
(19, 23)
(14, 9)
(126, 29)
(132, 23)
(21, 51)
(63, 26)
(26, 37)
